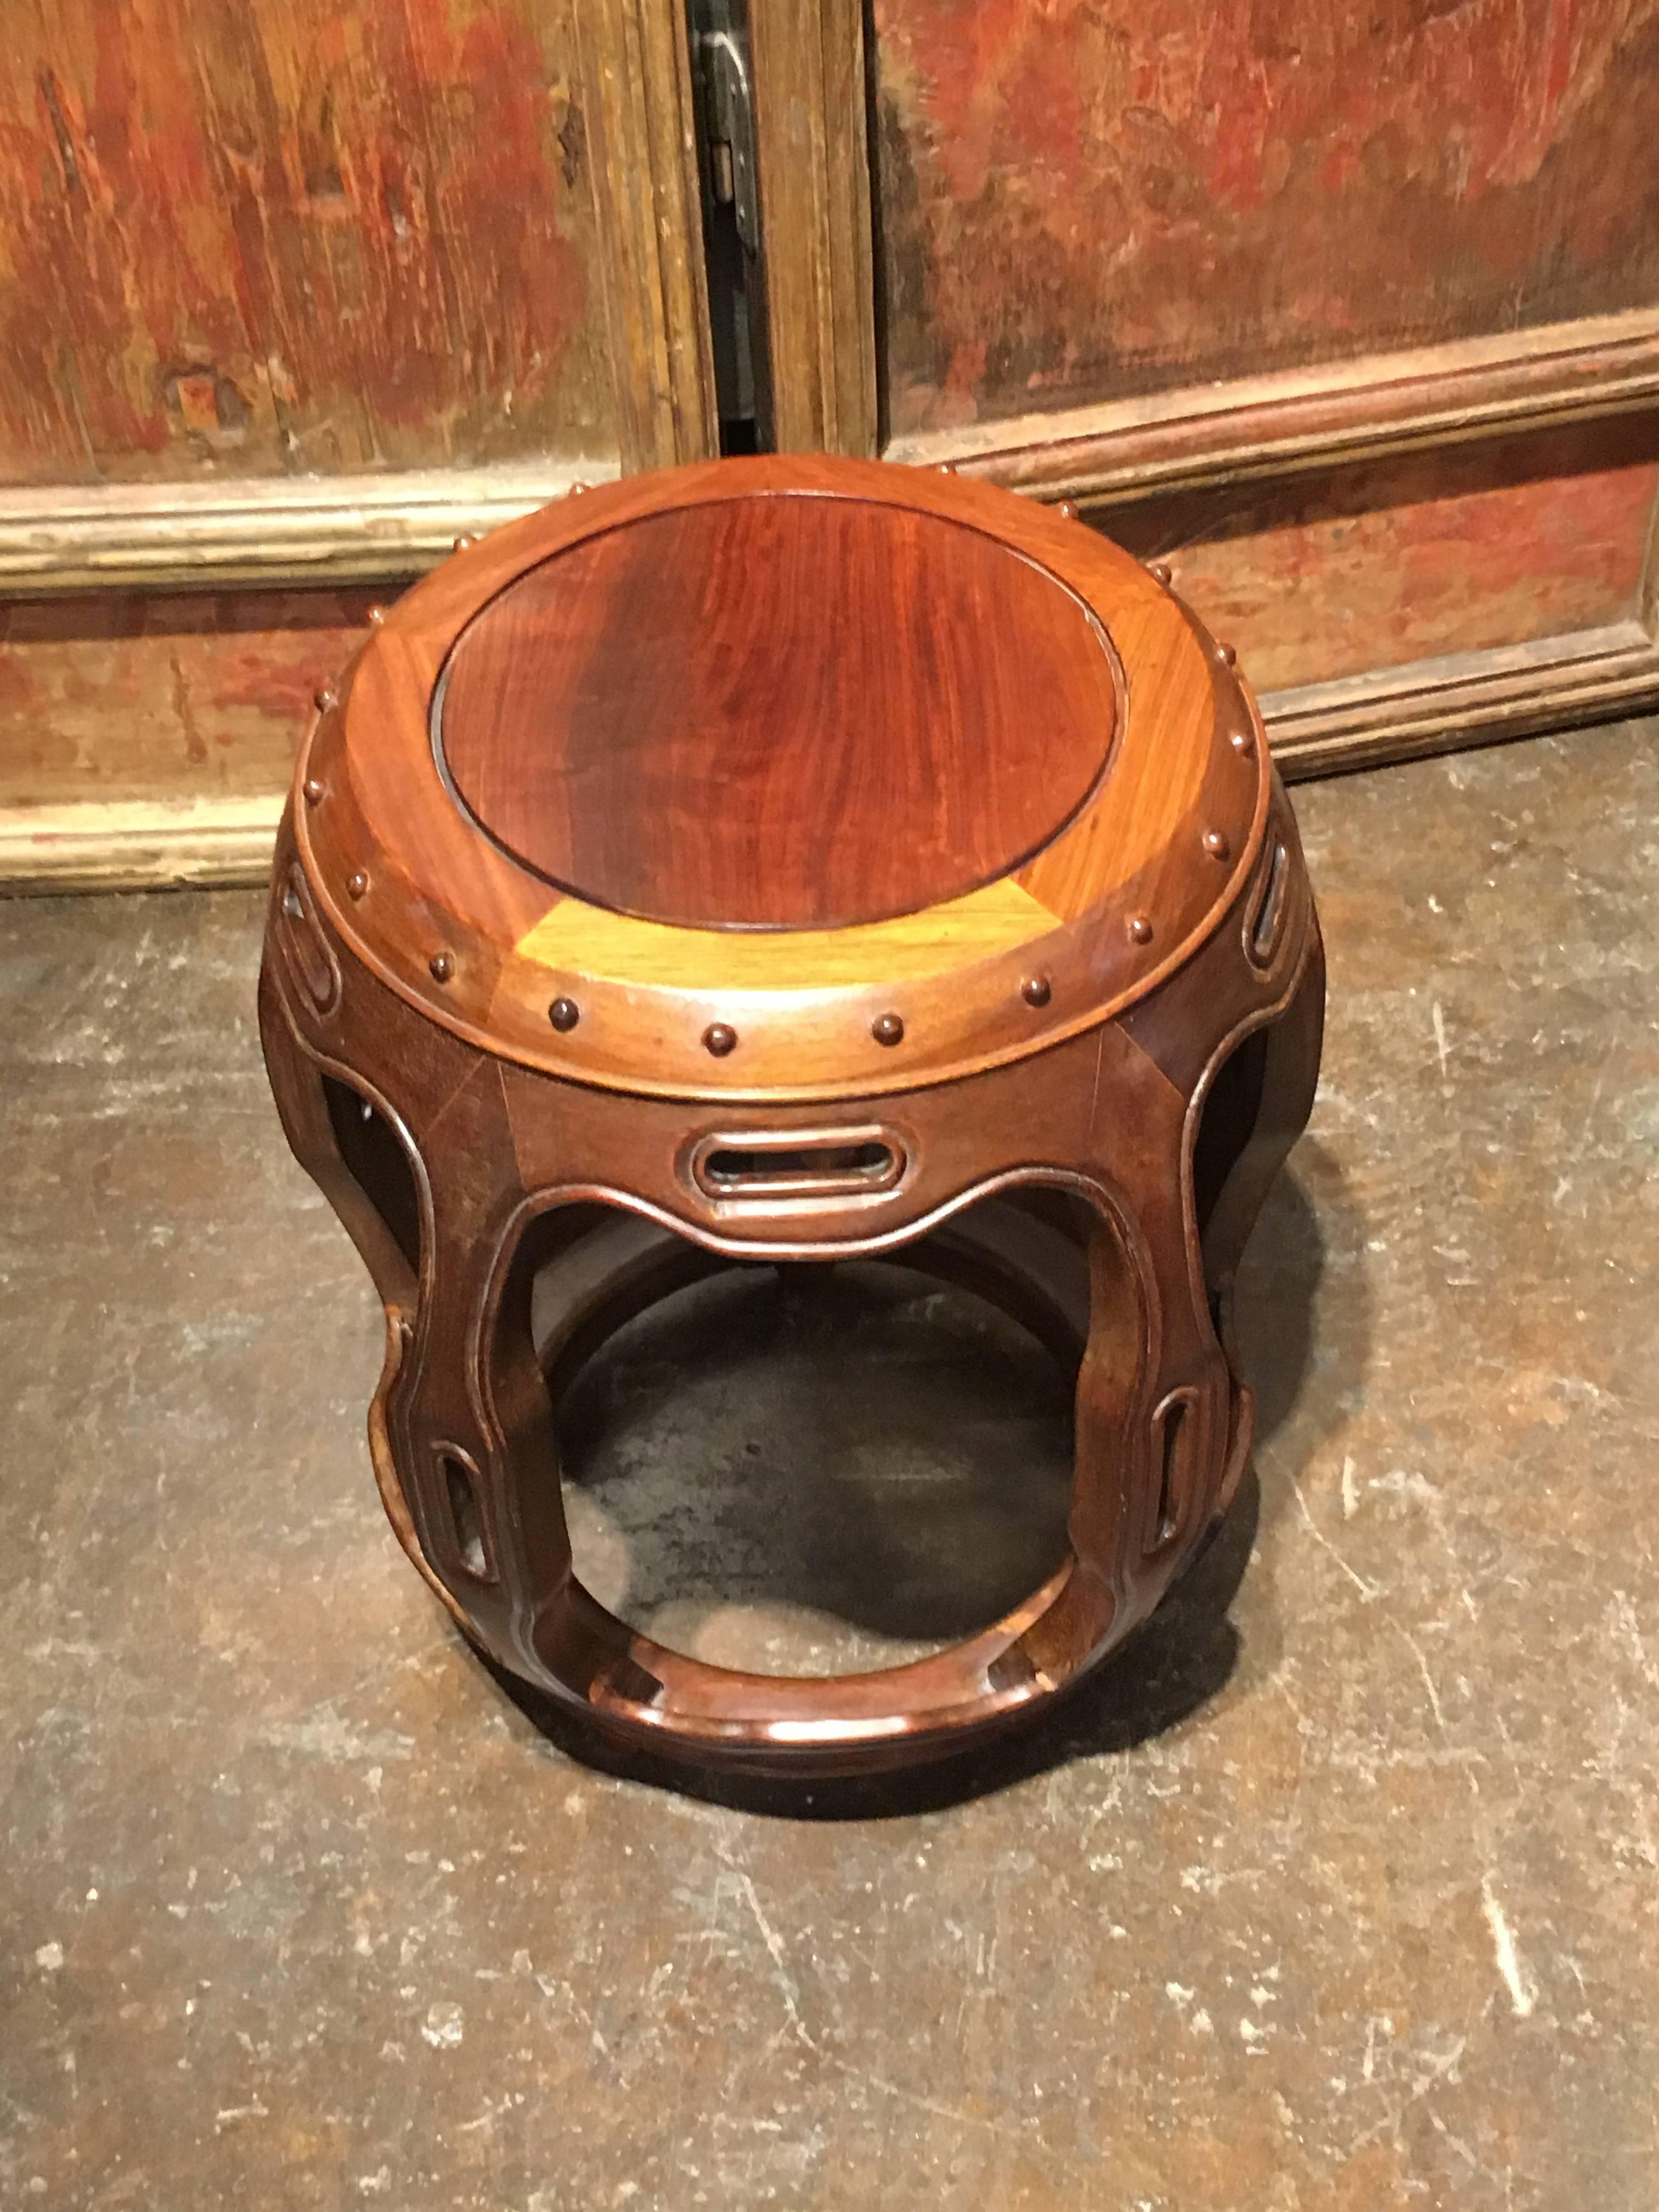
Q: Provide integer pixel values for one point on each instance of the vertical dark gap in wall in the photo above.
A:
(733, 249)
(878, 236)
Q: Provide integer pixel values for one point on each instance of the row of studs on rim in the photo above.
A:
(720, 1038)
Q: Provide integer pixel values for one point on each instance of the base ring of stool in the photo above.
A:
(590, 1667)
(644, 1694)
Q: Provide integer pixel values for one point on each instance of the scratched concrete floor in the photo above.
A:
(1341, 1889)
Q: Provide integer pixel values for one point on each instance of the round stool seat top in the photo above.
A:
(778, 714)
(782, 778)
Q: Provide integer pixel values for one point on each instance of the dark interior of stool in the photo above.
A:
(817, 1468)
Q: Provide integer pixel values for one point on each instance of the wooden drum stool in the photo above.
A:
(789, 861)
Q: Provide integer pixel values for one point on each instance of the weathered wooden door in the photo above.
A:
(293, 292)
(1353, 314)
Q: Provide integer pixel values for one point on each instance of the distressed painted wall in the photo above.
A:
(178, 696)
(1085, 199)
(1338, 573)
(265, 235)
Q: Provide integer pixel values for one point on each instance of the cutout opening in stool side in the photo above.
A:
(465, 1513)
(819, 1163)
(918, 1490)
(374, 1155)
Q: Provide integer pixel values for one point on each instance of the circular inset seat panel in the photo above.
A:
(776, 712)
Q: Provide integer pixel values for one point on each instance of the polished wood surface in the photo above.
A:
(778, 712)
(1187, 764)
(1105, 272)
(297, 297)
(1068, 1089)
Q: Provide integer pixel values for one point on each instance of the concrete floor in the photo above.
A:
(1341, 1888)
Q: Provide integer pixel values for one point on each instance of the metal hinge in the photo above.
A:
(729, 128)
(732, 254)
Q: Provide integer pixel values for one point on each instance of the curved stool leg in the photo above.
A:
(1154, 1393)
(559, 1295)
(1100, 1261)
(1289, 1077)
(296, 1071)
(468, 1420)
(1109, 1475)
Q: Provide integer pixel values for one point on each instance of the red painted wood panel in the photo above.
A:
(1334, 575)
(271, 235)
(1080, 199)
(174, 697)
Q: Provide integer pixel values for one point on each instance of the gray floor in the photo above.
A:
(1341, 1889)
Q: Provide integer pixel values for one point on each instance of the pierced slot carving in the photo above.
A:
(1175, 1426)
(306, 948)
(378, 1162)
(1230, 1115)
(764, 1168)
(466, 1520)
(1267, 923)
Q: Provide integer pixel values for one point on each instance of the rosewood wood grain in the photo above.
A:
(1068, 1087)
(180, 784)
(649, 719)
(803, 1005)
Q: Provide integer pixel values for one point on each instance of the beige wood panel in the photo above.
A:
(808, 59)
(637, 61)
